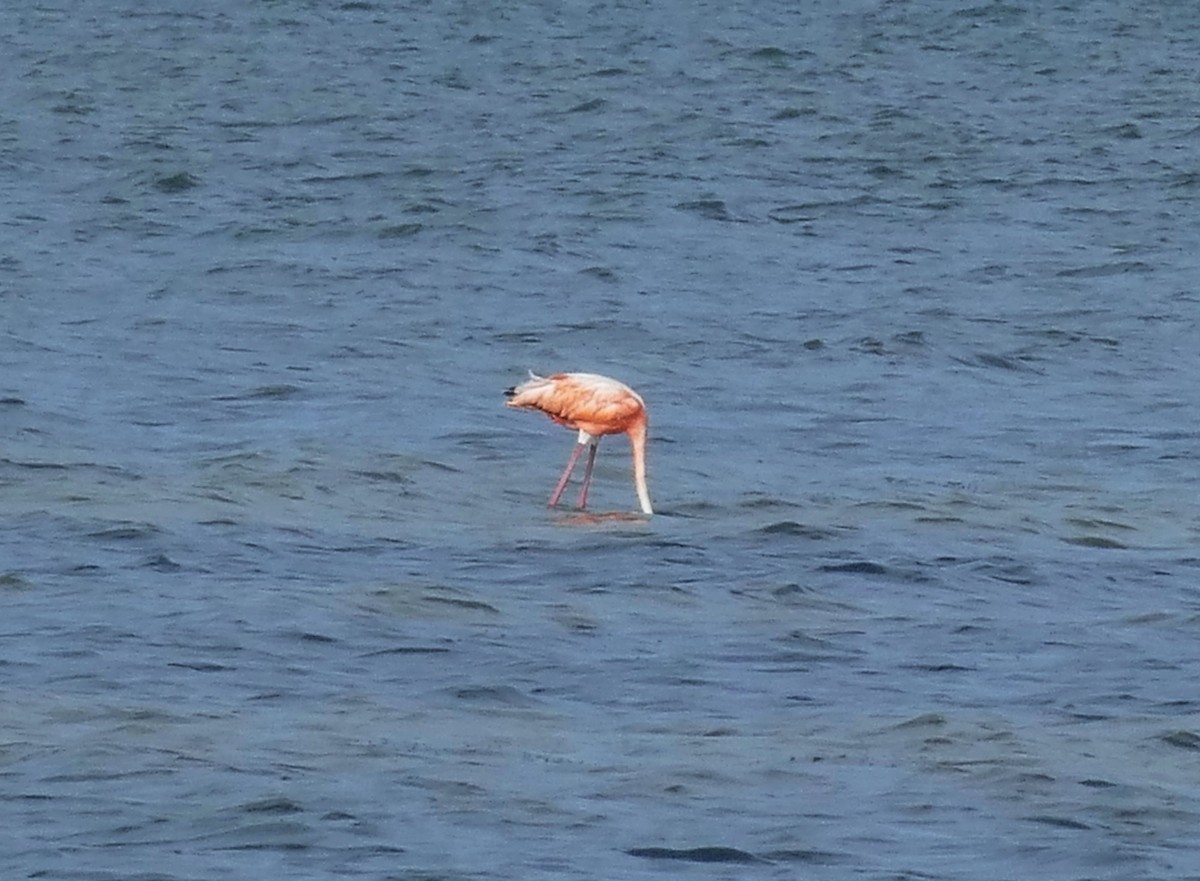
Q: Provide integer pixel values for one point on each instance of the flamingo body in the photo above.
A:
(593, 405)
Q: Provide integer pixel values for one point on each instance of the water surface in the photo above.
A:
(909, 290)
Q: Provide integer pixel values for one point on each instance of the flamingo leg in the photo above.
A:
(587, 475)
(566, 475)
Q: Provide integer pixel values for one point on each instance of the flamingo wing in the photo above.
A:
(595, 404)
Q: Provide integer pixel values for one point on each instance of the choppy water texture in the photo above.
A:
(910, 289)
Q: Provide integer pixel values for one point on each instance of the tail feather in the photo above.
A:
(533, 382)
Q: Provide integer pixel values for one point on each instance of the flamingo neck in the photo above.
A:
(637, 440)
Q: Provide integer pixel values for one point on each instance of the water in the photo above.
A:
(909, 288)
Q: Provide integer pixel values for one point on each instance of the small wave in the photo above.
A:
(712, 854)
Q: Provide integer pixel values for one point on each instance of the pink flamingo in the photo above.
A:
(595, 406)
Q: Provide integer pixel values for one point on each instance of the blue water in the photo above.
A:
(910, 292)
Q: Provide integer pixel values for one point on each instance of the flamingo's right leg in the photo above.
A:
(587, 475)
(566, 475)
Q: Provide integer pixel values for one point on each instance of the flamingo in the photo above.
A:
(595, 406)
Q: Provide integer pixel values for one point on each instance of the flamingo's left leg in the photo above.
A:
(566, 475)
